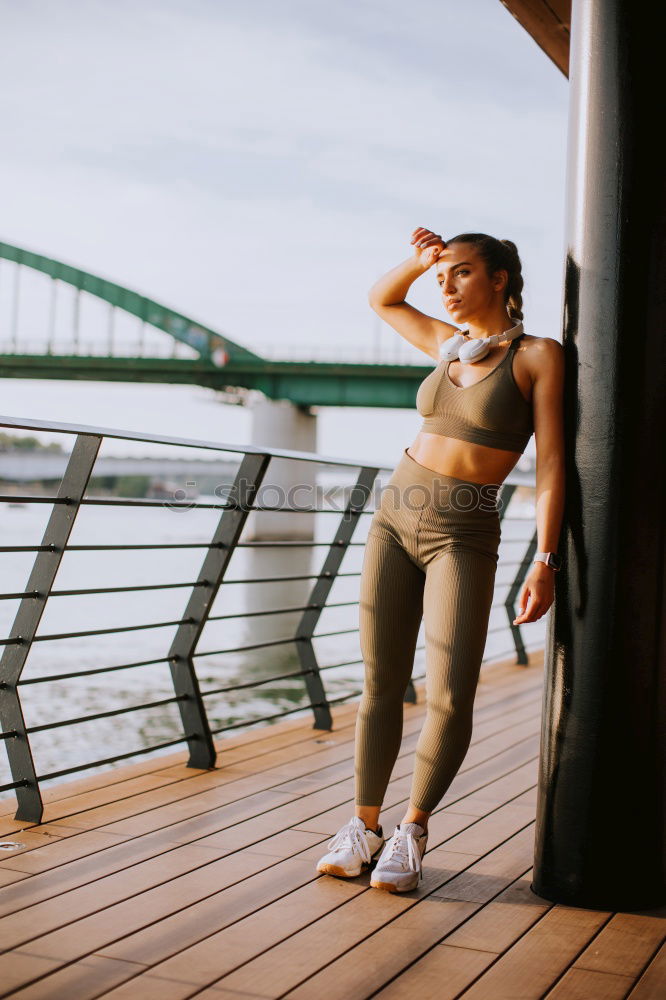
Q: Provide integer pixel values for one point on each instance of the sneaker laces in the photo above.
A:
(351, 835)
(403, 844)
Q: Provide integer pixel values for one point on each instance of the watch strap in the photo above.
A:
(545, 557)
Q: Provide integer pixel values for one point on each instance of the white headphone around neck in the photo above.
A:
(468, 351)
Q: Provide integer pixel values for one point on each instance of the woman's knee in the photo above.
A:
(382, 687)
(449, 714)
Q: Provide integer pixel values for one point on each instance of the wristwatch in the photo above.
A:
(549, 558)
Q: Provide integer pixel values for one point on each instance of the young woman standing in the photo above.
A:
(432, 543)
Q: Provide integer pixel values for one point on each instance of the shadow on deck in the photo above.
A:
(156, 881)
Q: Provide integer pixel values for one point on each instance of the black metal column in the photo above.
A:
(602, 787)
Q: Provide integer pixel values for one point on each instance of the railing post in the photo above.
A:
(181, 655)
(319, 596)
(409, 696)
(26, 623)
(509, 604)
(506, 492)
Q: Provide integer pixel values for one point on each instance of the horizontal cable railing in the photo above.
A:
(212, 686)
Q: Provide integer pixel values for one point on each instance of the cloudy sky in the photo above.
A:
(258, 165)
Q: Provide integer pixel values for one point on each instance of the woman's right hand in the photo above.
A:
(427, 246)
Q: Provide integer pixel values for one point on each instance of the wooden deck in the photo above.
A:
(155, 881)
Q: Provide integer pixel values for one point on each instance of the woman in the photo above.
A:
(432, 544)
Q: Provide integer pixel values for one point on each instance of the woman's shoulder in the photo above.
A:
(539, 342)
(540, 354)
(541, 347)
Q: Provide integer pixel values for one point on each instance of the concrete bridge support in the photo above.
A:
(287, 483)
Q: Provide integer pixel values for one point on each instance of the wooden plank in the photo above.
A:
(109, 890)
(153, 944)
(516, 689)
(100, 794)
(111, 860)
(258, 884)
(207, 960)
(336, 790)
(97, 930)
(50, 914)
(581, 984)
(9, 876)
(502, 920)
(479, 838)
(64, 850)
(176, 759)
(344, 956)
(91, 869)
(387, 948)
(35, 837)
(76, 786)
(222, 911)
(493, 928)
(531, 966)
(83, 980)
(341, 746)
(443, 972)
(652, 984)
(626, 944)
(275, 778)
(521, 780)
(153, 988)
(85, 807)
(21, 968)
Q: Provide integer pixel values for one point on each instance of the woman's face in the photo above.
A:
(468, 293)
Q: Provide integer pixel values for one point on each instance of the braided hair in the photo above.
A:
(497, 255)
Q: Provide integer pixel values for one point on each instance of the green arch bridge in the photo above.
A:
(215, 360)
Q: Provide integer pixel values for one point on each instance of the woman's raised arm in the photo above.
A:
(387, 297)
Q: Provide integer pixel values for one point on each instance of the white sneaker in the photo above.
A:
(351, 850)
(399, 866)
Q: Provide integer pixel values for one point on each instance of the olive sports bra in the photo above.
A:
(491, 412)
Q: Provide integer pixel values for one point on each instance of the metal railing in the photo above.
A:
(189, 695)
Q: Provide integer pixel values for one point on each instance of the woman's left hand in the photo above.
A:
(537, 594)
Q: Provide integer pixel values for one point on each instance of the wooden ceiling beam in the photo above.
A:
(549, 25)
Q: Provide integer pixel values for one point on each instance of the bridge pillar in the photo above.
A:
(601, 809)
(282, 425)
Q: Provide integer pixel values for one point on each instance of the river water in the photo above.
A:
(221, 664)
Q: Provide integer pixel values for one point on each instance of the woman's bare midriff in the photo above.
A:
(474, 462)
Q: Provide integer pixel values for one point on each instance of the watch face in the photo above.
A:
(554, 560)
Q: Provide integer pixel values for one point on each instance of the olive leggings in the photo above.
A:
(431, 554)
